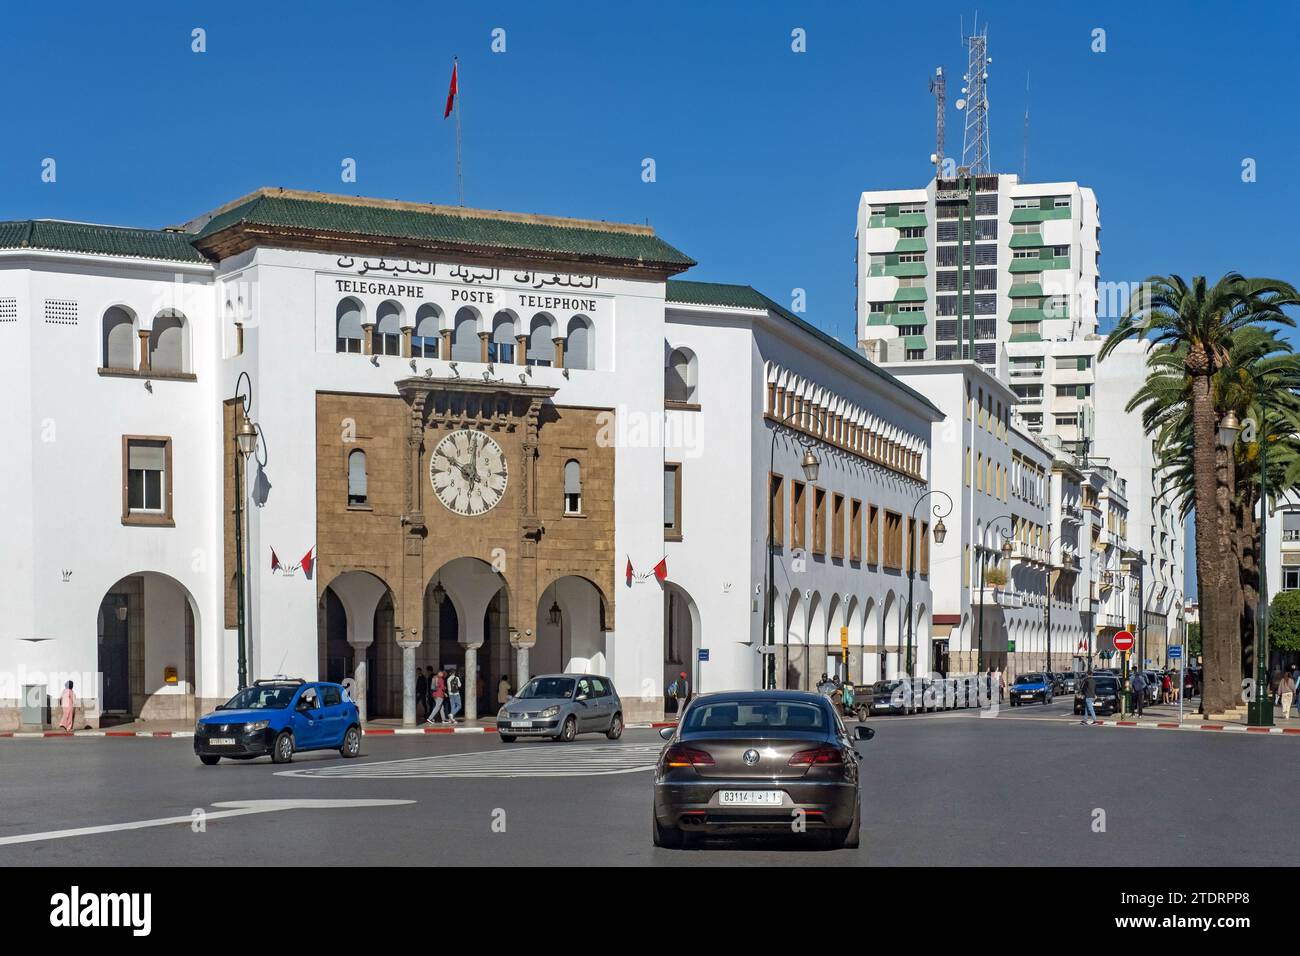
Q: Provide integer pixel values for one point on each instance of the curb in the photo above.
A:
(374, 732)
(1224, 728)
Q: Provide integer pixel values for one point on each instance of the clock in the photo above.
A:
(468, 472)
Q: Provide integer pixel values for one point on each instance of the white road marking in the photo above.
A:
(236, 808)
(522, 760)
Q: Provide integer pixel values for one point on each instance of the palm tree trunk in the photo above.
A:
(1219, 643)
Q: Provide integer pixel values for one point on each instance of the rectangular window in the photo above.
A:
(893, 541)
(776, 506)
(911, 544)
(797, 517)
(819, 521)
(873, 535)
(855, 530)
(146, 480)
(672, 501)
(924, 560)
(837, 527)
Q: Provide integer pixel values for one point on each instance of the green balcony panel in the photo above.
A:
(1018, 316)
(912, 269)
(913, 245)
(908, 318)
(1038, 215)
(1026, 240)
(910, 295)
(1026, 337)
(877, 318)
(914, 341)
(1038, 264)
(1027, 290)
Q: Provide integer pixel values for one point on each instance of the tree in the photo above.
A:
(1197, 322)
(1193, 642)
(1284, 621)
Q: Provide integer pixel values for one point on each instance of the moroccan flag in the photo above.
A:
(275, 561)
(451, 92)
(629, 572)
(307, 561)
(661, 569)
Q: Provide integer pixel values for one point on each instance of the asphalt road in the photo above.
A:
(1027, 787)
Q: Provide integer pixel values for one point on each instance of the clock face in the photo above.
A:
(468, 472)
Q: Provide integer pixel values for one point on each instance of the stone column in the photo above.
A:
(408, 681)
(444, 350)
(483, 346)
(559, 352)
(469, 682)
(521, 350)
(143, 335)
(521, 663)
(368, 338)
(360, 677)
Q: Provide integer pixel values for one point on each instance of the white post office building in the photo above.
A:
(509, 444)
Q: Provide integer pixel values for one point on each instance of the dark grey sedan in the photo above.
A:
(561, 706)
(758, 762)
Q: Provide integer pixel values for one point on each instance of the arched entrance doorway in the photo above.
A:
(681, 639)
(467, 631)
(356, 639)
(145, 631)
(570, 628)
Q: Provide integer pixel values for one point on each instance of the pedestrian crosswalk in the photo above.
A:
(524, 760)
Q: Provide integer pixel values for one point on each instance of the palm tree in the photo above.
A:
(1198, 322)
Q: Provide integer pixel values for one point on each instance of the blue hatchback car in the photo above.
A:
(279, 717)
(1029, 688)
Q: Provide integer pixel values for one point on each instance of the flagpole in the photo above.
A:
(460, 178)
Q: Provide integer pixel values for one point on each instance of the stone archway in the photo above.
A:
(681, 638)
(356, 638)
(145, 631)
(571, 628)
(466, 628)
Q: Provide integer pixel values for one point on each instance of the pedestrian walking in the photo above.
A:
(846, 698)
(453, 690)
(439, 698)
(480, 692)
(69, 701)
(680, 691)
(1166, 689)
(421, 693)
(1139, 685)
(503, 690)
(1286, 688)
(1089, 691)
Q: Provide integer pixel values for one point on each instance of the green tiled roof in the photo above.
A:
(54, 235)
(440, 225)
(913, 341)
(687, 292)
(910, 294)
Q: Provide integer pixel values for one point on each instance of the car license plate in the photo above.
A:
(521, 723)
(222, 741)
(751, 798)
(1026, 696)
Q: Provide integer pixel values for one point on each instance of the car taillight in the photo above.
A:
(682, 756)
(823, 754)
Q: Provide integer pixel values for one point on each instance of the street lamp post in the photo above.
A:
(1006, 553)
(1047, 592)
(809, 465)
(246, 436)
(940, 532)
(1140, 563)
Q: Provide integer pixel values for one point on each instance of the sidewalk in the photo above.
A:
(1165, 717)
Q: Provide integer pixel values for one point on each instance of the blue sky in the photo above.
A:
(760, 152)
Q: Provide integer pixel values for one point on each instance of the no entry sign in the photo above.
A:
(1123, 641)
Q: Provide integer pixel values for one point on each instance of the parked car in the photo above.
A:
(1030, 688)
(744, 763)
(1068, 681)
(280, 717)
(1107, 700)
(561, 706)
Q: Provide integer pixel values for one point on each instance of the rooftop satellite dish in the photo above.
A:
(960, 104)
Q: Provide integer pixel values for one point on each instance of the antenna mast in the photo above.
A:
(1024, 166)
(975, 144)
(937, 86)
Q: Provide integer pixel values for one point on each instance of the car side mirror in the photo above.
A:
(863, 733)
(220, 707)
(667, 732)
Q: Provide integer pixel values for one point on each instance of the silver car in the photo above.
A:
(758, 762)
(561, 706)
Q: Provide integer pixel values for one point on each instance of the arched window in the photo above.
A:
(541, 340)
(681, 377)
(357, 479)
(464, 337)
(167, 343)
(388, 329)
(347, 327)
(578, 349)
(119, 339)
(501, 347)
(572, 487)
(424, 338)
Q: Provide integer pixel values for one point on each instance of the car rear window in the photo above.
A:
(755, 715)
